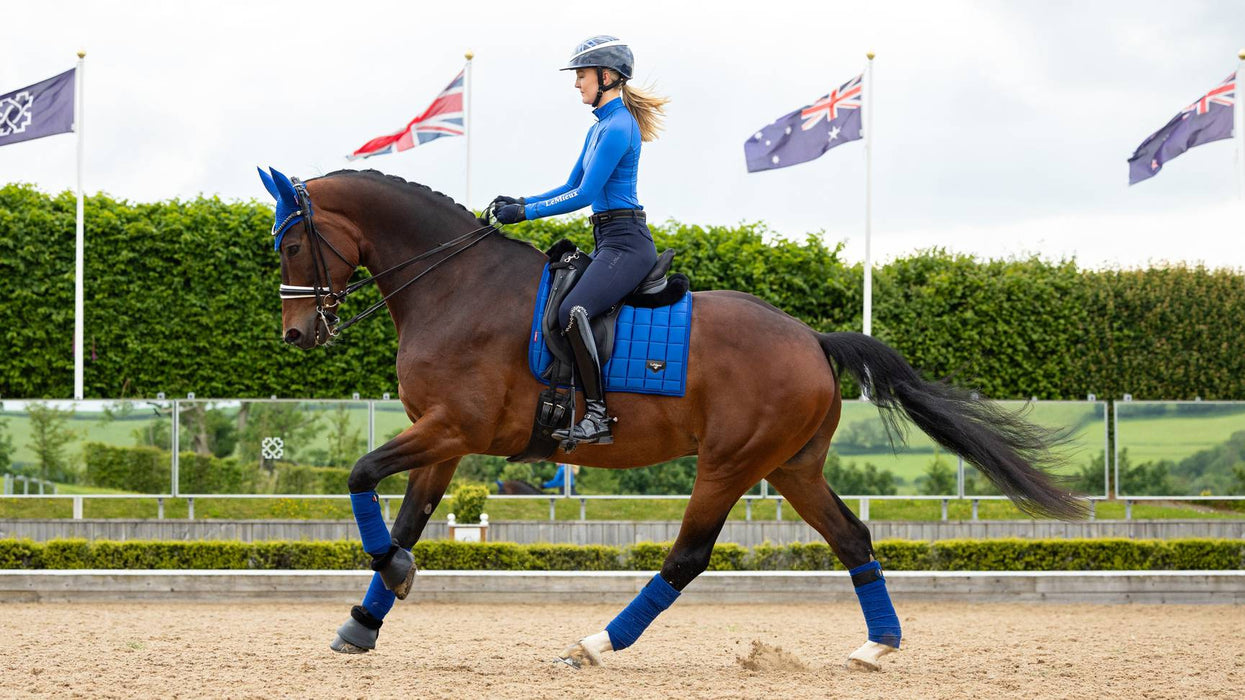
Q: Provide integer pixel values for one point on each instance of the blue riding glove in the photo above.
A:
(510, 213)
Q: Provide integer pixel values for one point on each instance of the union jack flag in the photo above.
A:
(1220, 95)
(444, 117)
(1205, 120)
(847, 96)
(808, 132)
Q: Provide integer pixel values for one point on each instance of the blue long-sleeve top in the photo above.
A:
(605, 174)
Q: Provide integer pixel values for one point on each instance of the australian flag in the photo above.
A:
(1208, 119)
(809, 131)
(38, 110)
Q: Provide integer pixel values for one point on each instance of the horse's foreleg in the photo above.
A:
(424, 490)
(429, 441)
(807, 491)
(702, 521)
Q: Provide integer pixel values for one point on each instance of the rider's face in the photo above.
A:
(586, 82)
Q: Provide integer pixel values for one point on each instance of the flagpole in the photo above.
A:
(1238, 118)
(868, 119)
(467, 122)
(79, 345)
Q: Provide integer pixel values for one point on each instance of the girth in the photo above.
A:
(566, 267)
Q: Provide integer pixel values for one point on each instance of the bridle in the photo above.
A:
(327, 300)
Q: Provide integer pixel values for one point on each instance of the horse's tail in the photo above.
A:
(1009, 450)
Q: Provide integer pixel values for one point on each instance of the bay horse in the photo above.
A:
(762, 397)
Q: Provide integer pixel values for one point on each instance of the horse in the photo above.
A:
(513, 487)
(763, 395)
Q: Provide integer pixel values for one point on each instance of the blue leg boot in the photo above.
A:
(358, 634)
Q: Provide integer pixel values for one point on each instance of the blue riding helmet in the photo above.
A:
(603, 52)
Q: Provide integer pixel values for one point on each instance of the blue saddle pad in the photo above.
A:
(650, 346)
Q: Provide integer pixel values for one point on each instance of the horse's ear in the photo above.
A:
(285, 188)
(268, 183)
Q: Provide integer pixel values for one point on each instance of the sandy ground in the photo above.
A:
(703, 651)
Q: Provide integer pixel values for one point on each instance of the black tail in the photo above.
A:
(1009, 450)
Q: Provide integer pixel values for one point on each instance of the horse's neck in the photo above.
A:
(474, 284)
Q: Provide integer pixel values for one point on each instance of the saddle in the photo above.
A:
(555, 407)
(567, 265)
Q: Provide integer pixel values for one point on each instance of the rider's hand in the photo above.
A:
(510, 213)
(502, 200)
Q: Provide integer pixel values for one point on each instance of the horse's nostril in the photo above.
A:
(292, 335)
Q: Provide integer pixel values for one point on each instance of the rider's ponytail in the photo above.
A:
(648, 109)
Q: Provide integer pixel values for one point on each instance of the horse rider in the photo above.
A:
(605, 177)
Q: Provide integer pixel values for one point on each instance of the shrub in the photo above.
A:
(468, 503)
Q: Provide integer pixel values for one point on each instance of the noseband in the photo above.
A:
(327, 300)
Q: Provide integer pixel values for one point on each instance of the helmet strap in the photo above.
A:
(602, 88)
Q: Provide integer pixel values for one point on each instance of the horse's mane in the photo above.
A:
(416, 188)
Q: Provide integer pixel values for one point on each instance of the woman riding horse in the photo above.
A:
(604, 176)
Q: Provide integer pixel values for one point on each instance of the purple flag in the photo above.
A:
(1208, 119)
(809, 131)
(38, 110)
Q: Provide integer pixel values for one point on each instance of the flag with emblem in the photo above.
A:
(35, 111)
(1208, 119)
(808, 132)
(444, 117)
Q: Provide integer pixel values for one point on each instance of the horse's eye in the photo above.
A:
(291, 251)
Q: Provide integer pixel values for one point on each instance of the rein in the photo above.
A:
(327, 299)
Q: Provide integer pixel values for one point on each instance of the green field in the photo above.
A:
(1088, 439)
(1174, 437)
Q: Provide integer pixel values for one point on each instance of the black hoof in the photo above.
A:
(398, 573)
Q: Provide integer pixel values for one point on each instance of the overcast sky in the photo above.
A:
(1002, 128)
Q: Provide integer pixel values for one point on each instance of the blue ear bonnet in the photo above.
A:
(289, 210)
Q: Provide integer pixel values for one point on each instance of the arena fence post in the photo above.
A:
(748, 509)
(1128, 509)
(975, 501)
(583, 509)
(553, 513)
(387, 518)
(944, 509)
(864, 509)
(1093, 506)
(778, 509)
(77, 507)
(159, 509)
(190, 508)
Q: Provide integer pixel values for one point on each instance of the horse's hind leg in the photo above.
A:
(424, 490)
(802, 484)
(706, 513)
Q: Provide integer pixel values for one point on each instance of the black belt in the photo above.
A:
(612, 214)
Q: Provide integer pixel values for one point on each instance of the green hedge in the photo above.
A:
(135, 469)
(196, 283)
(895, 555)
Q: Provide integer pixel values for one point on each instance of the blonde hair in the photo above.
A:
(649, 109)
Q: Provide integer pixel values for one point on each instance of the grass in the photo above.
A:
(1174, 437)
(565, 509)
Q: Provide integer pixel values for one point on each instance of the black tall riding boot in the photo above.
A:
(595, 426)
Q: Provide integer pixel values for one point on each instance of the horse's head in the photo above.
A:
(319, 252)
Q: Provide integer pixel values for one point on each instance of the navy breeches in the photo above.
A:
(624, 255)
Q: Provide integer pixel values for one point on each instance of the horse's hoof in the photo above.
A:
(866, 657)
(354, 638)
(578, 655)
(341, 646)
(399, 573)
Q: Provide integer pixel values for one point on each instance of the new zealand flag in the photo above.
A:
(38, 110)
(1208, 119)
(809, 131)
